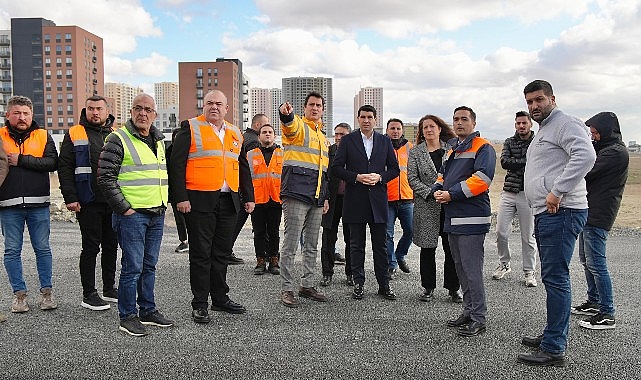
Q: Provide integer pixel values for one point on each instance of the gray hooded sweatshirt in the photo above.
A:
(558, 159)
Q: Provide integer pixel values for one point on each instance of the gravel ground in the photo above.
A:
(342, 339)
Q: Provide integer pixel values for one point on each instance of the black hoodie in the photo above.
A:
(606, 181)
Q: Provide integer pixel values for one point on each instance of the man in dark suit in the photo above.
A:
(365, 160)
(208, 170)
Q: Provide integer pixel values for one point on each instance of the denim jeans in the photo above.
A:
(139, 236)
(592, 256)
(556, 236)
(13, 220)
(404, 211)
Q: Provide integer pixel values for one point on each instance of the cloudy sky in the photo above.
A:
(430, 56)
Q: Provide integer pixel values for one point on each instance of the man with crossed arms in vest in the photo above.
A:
(208, 169)
(304, 193)
(132, 176)
(77, 170)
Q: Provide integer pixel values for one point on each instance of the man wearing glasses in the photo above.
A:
(132, 176)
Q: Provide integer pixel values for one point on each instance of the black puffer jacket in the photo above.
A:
(109, 167)
(67, 164)
(513, 160)
(606, 181)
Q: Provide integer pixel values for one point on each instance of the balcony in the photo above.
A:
(5, 41)
(5, 65)
(5, 90)
(5, 53)
(5, 78)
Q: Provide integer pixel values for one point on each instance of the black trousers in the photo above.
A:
(428, 267)
(379, 248)
(209, 250)
(266, 222)
(96, 231)
(329, 238)
(181, 226)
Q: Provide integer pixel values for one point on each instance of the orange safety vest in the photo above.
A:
(399, 187)
(266, 179)
(212, 162)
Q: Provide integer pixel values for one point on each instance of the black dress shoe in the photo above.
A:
(230, 307)
(462, 320)
(357, 293)
(326, 281)
(427, 295)
(200, 316)
(387, 293)
(532, 341)
(402, 265)
(542, 358)
(233, 260)
(457, 296)
(349, 281)
(472, 329)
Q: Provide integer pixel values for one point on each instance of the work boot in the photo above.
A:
(20, 304)
(47, 301)
(260, 266)
(273, 267)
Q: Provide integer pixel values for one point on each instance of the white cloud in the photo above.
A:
(118, 69)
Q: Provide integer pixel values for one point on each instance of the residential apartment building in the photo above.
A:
(374, 97)
(267, 101)
(5, 71)
(196, 79)
(58, 67)
(296, 89)
(166, 94)
(122, 95)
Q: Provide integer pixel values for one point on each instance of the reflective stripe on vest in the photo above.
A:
(212, 162)
(399, 187)
(143, 174)
(266, 180)
(24, 200)
(306, 156)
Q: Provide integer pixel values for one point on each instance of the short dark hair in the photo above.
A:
(366, 108)
(392, 120)
(343, 125)
(466, 108)
(537, 85)
(96, 98)
(19, 100)
(314, 94)
(446, 130)
(523, 113)
(266, 125)
(257, 116)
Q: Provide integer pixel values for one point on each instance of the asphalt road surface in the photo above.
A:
(341, 339)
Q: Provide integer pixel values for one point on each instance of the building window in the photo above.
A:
(60, 111)
(199, 72)
(69, 86)
(47, 50)
(49, 110)
(61, 121)
(69, 61)
(70, 109)
(215, 72)
(58, 74)
(58, 62)
(48, 96)
(58, 49)
(59, 86)
(70, 121)
(216, 82)
(69, 73)
(47, 38)
(48, 86)
(209, 72)
(68, 49)
(68, 37)
(48, 62)
(48, 74)
(59, 98)
(199, 103)
(58, 37)
(70, 97)
(50, 122)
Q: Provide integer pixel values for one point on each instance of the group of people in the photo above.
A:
(118, 181)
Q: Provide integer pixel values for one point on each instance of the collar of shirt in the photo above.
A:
(368, 142)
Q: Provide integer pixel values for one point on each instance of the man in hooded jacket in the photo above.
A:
(605, 184)
(77, 172)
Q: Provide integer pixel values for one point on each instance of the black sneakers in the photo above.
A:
(156, 319)
(586, 308)
(94, 302)
(110, 295)
(132, 326)
(182, 247)
(600, 321)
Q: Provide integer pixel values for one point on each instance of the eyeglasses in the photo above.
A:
(139, 109)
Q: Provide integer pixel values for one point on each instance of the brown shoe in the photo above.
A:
(273, 267)
(260, 266)
(47, 300)
(288, 299)
(312, 294)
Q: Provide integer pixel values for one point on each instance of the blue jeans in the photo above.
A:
(139, 236)
(13, 220)
(592, 256)
(556, 236)
(404, 211)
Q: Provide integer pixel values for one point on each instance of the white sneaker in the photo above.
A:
(530, 280)
(501, 271)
